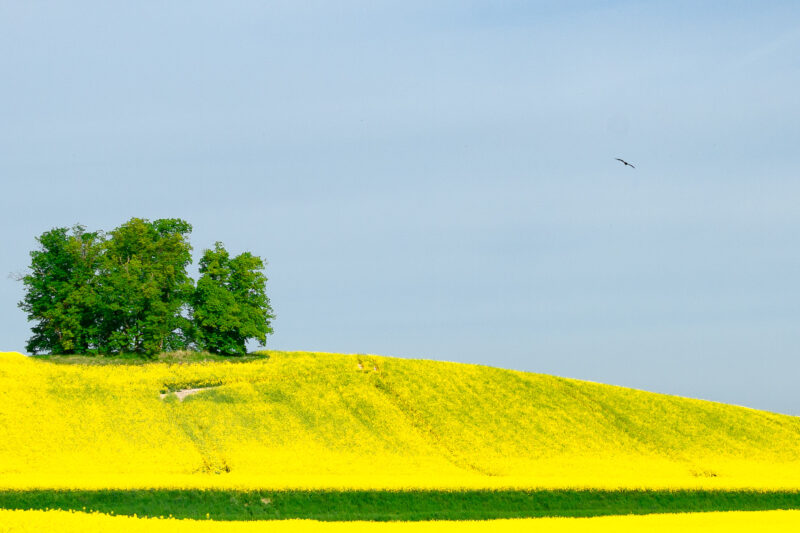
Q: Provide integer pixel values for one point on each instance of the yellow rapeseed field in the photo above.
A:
(732, 522)
(303, 420)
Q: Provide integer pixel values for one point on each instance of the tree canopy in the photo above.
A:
(61, 290)
(230, 303)
(128, 291)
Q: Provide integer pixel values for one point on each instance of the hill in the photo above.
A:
(308, 420)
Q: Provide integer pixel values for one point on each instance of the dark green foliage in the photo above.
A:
(230, 302)
(61, 293)
(144, 287)
(129, 292)
(405, 505)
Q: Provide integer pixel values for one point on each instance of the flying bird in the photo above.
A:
(625, 162)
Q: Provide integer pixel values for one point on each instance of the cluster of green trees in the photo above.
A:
(128, 291)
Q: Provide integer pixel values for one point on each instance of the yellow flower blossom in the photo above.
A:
(302, 420)
(731, 522)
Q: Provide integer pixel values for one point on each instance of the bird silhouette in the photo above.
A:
(625, 162)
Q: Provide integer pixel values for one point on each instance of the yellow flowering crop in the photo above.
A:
(731, 522)
(301, 420)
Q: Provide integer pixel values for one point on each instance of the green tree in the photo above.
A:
(230, 302)
(144, 288)
(60, 291)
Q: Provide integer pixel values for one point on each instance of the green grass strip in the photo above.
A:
(394, 505)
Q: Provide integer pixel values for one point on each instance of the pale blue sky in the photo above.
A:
(437, 179)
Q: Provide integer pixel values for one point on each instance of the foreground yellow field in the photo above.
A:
(66, 522)
(328, 420)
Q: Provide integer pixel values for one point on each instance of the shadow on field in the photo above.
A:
(394, 505)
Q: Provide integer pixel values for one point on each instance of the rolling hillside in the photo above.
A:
(309, 420)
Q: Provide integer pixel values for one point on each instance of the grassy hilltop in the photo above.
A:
(304, 420)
